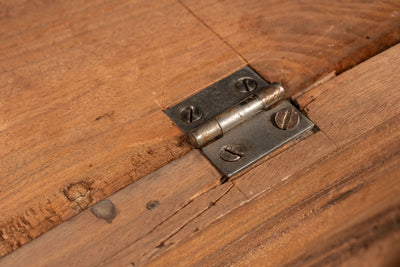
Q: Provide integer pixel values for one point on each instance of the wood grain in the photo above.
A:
(281, 167)
(178, 189)
(307, 215)
(190, 196)
(296, 42)
(311, 216)
(369, 99)
(304, 205)
(83, 85)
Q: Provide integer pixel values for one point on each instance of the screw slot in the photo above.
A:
(287, 119)
(246, 85)
(191, 114)
(232, 153)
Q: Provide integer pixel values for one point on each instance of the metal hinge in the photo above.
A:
(232, 123)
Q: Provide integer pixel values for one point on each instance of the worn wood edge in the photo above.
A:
(356, 240)
(384, 127)
(365, 154)
(364, 96)
(87, 185)
(190, 219)
(338, 40)
(141, 208)
(282, 166)
(313, 236)
(382, 251)
(83, 94)
(333, 147)
(357, 56)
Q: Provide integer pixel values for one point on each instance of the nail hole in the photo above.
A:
(105, 210)
(152, 204)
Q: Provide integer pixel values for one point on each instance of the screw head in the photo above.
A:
(246, 84)
(287, 119)
(232, 153)
(191, 114)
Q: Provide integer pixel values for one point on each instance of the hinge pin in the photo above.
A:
(232, 117)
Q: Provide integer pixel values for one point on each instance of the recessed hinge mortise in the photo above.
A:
(232, 123)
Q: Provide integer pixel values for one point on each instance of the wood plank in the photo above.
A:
(262, 178)
(83, 85)
(332, 232)
(201, 211)
(179, 227)
(280, 168)
(359, 244)
(355, 183)
(370, 98)
(86, 240)
(381, 252)
(289, 222)
(295, 42)
(297, 202)
(135, 237)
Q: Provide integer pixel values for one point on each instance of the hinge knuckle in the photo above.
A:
(227, 120)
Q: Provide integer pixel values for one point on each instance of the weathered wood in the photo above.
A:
(289, 223)
(295, 42)
(136, 235)
(310, 193)
(280, 168)
(85, 240)
(83, 85)
(353, 185)
(370, 98)
(233, 199)
(380, 251)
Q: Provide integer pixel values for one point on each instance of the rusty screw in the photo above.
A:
(287, 119)
(246, 84)
(232, 153)
(191, 114)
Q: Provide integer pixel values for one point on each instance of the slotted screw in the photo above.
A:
(287, 119)
(232, 153)
(246, 84)
(191, 114)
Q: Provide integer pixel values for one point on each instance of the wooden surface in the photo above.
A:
(296, 42)
(341, 201)
(83, 85)
(370, 99)
(86, 240)
(329, 210)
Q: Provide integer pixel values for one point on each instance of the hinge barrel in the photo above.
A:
(246, 109)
